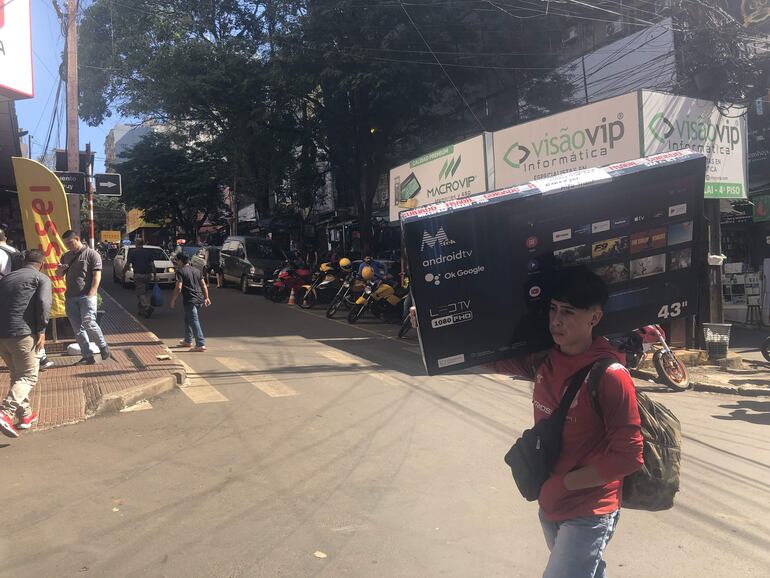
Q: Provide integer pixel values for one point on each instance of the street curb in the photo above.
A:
(713, 388)
(115, 402)
(738, 390)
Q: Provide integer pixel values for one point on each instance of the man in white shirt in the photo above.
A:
(5, 254)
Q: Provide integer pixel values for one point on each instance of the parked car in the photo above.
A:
(205, 260)
(249, 261)
(189, 250)
(164, 268)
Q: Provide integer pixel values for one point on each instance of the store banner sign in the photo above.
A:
(16, 49)
(676, 122)
(451, 172)
(45, 216)
(589, 136)
(483, 267)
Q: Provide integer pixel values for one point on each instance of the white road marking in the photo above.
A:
(265, 383)
(343, 358)
(198, 389)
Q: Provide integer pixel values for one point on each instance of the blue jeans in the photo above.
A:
(81, 312)
(577, 545)
(192, 325)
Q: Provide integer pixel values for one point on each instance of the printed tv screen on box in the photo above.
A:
(481, 267)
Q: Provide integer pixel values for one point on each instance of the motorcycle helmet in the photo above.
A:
(367, 273)
(345, 264)
(325, 267)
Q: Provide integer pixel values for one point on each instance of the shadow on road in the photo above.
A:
(757, 412)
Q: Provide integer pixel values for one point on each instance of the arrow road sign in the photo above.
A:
(73, 183)
(107, 185)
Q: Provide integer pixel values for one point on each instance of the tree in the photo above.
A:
(172, 181)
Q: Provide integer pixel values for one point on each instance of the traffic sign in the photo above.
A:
(107, 185)
(73, 183)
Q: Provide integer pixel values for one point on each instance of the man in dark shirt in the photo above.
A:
(83, 268)
(26, 298)
(143, 264)
(195, 294)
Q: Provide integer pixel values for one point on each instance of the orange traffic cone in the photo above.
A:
(293, 297)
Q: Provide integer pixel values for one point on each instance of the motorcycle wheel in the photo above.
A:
(356, 312)
(406, 325)
(334, 306)
(277, 295)
(671, 371)
(766, 349)
(267, 290)
(307, 299)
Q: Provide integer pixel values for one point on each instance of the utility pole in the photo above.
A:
(73, 137)
(90, 192)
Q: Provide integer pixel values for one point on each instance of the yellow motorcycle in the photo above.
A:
(382, 298)
(328, 278)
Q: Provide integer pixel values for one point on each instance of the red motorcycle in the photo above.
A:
(289, 278)
(651, 338)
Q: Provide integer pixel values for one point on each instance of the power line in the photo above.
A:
(476, 118)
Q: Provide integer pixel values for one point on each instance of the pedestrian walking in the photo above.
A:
(142, 262)
(83, 269)
(10, 259)
(26, 298)
(195, 295)
(580, 501)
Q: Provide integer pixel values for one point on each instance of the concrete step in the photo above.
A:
(695, 357)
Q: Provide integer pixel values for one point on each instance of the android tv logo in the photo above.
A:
(660, 127)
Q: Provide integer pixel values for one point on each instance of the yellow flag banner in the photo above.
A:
(45, 216)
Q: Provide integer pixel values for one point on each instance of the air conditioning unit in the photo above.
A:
(614, 28)
(570, 35)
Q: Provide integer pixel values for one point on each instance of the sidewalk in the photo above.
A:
(68, 394)
(747, 375)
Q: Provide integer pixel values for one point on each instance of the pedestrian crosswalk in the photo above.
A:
(212, 387)
(198, 389)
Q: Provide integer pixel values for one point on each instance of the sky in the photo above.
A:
(35, 113)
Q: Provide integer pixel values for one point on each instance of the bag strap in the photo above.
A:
(569, 395)
(597, 372)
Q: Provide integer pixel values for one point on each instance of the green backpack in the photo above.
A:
(654, 486)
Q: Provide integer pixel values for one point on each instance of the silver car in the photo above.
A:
(165, 273)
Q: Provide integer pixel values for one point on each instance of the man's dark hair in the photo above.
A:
(183, 258)
(139, 242)
(69, 234)
(2, 236)
(581, 288)
(33, 256)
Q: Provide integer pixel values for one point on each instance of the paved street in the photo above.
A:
(307, 447)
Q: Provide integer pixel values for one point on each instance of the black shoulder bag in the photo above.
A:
(534, 454)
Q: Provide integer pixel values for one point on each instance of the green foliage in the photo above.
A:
(173, 181)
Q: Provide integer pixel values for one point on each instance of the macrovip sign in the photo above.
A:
(15, 49)
(451, 172)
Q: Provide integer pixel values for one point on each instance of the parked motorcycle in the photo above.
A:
(325, 280)
(351, 286)
(289, 278)
(651, 338)
(382, 299)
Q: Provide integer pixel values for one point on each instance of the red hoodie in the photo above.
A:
(613, 444)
